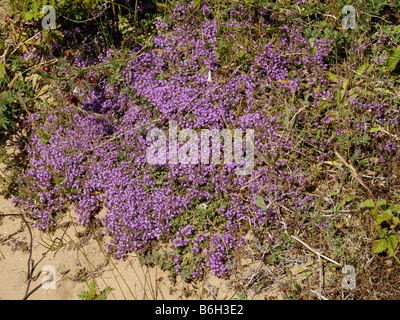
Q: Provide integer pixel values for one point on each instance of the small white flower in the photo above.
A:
(203, 206)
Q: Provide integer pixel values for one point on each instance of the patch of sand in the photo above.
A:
(79, 257)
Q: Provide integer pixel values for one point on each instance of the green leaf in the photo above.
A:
(345, 84)
(242, 55)
(382, 232)
(360, 69)
(392, 243)
(333, 77)
(364, 162)
(3, 72)
(393, 59)
(240, 296)
(93, 287)
(382, 218)
(309, 263)
(34, 80)
(260, 202)
(395, 207)
(84, 295)
(379, 246)
(388, 213)
(339, 94)
(27, 15)
(369, 204)
(384, 91)
(43, 73)
(43, 90)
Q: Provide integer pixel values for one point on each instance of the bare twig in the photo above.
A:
(320, 277)
(354, 173)
(388, 133)
(3, 56)
(28, 294)
(31, 264)
(27, 40)
(105, 5)
(256, 272)
(319, 254)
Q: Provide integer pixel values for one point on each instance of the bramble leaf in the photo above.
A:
(381, 203)
(393, 59)
(369, 204)
(392, 243)
(382, 218)
(379, 246)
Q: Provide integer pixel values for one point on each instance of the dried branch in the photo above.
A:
(355, 174)
(319, 254)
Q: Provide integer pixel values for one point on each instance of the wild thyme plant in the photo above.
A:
(98, 152)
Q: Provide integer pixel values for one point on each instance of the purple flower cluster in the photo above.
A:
(84, 165)
(93, 162)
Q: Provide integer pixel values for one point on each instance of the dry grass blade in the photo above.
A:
(355, 174)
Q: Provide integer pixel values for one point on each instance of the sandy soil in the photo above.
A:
(79, 257)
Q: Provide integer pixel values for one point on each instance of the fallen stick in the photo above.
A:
(319, 254)
(355, 174)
